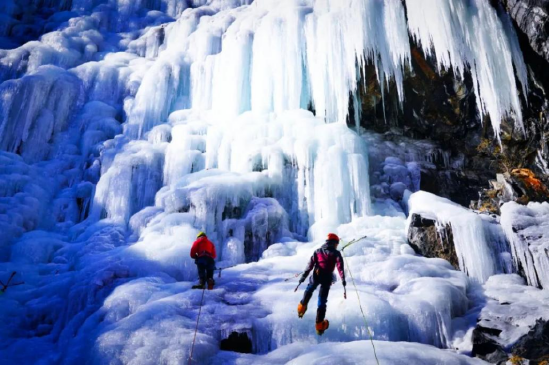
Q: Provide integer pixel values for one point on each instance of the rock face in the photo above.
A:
(486, 348)
(426, 240)
(534, 345)
(520, 185)
(531, 16)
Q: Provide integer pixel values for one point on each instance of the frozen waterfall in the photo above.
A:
(127, 126)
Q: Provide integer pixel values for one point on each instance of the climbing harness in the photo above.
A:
(196, 328)
(358, 298)
(8, 284)
(219, 275)
(344, 247)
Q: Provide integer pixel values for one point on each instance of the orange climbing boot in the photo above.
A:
(301, 309)
(211, 284)
(321, 327)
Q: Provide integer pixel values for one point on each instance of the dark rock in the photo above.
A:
(419, 221)
(237, 342)
(486, 348)
(489, 331)
(531, 17)
(534, 345)
(426, 240)
(529, 186)
(520, 186)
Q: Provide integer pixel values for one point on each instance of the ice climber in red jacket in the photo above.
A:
(204, 253)
(323, 261)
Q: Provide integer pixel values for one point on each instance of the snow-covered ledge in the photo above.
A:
(476, 255)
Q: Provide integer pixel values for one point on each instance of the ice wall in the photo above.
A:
(219, 63)
(34, 109)
(213, 168)
(212, 55)
(216, 61)
(526, 228)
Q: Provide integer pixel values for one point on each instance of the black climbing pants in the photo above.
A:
(205, 267)
(325, 280)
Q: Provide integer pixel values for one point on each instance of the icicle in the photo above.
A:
(469, 35)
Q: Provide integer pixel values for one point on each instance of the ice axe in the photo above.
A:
(299, 283)
(293, 277)
(352, 242)
(220, 269)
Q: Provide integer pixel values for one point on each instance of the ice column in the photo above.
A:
(526, 228)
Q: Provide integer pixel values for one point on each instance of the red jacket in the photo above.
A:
(203, 247)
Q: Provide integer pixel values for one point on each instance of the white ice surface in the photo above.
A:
(351, 353)
(127, 307)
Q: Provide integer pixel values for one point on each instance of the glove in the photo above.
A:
(344, 283)
(302, 279)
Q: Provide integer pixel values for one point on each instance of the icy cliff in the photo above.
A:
(126, 127)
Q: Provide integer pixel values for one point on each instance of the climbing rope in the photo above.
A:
(4, 286)
(358, 298)
(196, 328)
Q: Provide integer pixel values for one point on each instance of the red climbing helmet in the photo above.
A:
(332, 236)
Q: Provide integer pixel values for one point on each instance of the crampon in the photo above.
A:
(301, 310)
(321, 327)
